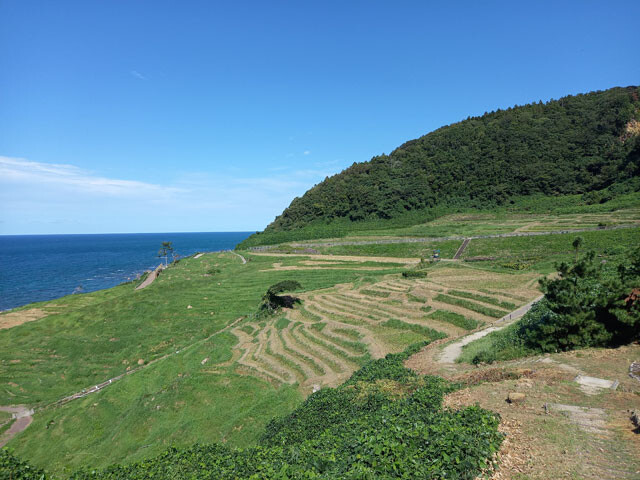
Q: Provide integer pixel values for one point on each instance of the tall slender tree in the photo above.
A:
(165, 250)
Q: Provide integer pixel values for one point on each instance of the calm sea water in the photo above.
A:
(42, 267)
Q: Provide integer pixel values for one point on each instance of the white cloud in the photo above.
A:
(137, 74)
(38, 197)
(306, 152)
(18, 170)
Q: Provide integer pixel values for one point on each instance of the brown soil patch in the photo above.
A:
(559, 431)
(13, 319)
(348, 258)
(280, 267)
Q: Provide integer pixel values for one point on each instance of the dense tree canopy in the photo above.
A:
(576, 145)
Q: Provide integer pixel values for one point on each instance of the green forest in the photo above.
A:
(578, 145)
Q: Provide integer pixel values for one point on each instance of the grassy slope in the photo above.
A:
(179, 400)
(175, 400)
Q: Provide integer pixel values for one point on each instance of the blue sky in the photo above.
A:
(152, 116)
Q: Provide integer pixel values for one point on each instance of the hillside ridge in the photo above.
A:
(578, 145)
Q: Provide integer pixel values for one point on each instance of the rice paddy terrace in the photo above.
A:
(335, 330)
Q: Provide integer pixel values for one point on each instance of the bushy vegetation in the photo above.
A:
(575, 145)
(272, 301)
(590, 304)
(415, 274)
(384, 422)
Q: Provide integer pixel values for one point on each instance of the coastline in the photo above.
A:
(45, 268)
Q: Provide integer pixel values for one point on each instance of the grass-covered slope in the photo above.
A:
(578, 145)
(384, 422)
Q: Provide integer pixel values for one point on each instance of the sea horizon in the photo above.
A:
(40, 267)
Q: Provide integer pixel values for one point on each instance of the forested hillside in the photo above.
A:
(585, 144)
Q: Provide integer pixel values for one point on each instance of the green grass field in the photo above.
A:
(214, 380)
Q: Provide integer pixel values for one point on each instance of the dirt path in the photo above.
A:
(451, 352)
(347, 258)
(150, 278)
(23, 416)
(244, 260)
(462, 248)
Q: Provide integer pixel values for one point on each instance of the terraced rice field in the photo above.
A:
(333, 331)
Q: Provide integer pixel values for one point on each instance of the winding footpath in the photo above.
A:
(244, 260)
(452, 351)
(23, 415)
(150, 278)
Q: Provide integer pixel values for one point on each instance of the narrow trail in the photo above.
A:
(150, 278)
(451, 352)
(244, 260)
(462, 248)
(23, 415)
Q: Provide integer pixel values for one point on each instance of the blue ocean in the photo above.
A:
(42, 267)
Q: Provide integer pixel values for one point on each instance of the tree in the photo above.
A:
(577, 243)
(590, 304)
(165, 250)
(272, 302)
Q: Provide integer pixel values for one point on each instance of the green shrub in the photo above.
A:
(13, 468)
(587, 306)
(414, 274)
(272, 302)
(516, 265)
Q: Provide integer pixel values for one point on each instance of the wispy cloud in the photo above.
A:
(35, 194)
(137, 74)
(72, 177)
(306, 152)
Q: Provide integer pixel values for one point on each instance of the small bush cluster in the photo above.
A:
(516, 265)
(414, 274)
(272, 302)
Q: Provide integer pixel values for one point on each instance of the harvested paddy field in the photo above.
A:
(333, 331)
